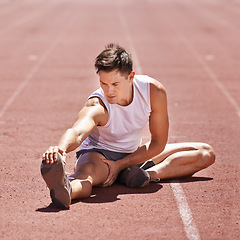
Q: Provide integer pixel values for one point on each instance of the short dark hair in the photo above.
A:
(114, 57)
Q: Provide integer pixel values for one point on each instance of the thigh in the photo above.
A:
(172, 148)
(90, 166)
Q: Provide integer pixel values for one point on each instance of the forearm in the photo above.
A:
(142, 154)
(69, 141)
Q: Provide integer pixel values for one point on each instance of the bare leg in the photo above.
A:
(181, 159)
(90, 170)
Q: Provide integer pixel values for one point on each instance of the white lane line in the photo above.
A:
(208, 70)
(28, 78)
(218, 20)
(24, 19)
(185, 212)
(205, 67)
(124, 25)
(31, 74)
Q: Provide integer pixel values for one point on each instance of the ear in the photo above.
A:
(131, 76)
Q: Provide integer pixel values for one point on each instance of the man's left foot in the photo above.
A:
(57, 181)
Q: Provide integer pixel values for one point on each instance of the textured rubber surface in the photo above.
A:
(47, 55)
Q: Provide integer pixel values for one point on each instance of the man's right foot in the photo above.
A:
(57, 181)
(136, 176)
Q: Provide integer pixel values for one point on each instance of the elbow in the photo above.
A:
(158, 146)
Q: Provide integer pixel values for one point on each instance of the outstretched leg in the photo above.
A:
(90, 171)
(181, 159)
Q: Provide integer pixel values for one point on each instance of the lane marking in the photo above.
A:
(184, 209)
(28, 78)
(210, 73)
(185, 212)
(24, 19)
(214, 17)
(32, 72)
(126, 31)
(205, 67)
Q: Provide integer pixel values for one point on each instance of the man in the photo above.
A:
(108, 130)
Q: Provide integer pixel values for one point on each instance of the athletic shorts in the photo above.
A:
(114, 156)
(109, 155)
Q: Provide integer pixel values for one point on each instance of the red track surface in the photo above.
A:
(47, 50)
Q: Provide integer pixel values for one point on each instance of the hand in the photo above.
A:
(113, 172)
(50, 156)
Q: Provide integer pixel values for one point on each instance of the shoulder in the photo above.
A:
(155, 86)
(95, 109)
(158, 93)
(95, 102)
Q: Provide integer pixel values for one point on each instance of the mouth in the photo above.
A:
(111, 97)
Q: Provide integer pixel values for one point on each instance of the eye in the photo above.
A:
(115, 84)
(102, 83)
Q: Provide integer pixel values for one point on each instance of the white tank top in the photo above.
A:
(123, 131)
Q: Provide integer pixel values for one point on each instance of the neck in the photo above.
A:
(129, 98)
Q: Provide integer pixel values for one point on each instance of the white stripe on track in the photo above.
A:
(23, 20)
(31, 74)
(185, 212)
(209, 71)
(124, 25)
(205, 67)
(28, 78)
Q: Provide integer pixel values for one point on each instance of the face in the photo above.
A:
(117, 88)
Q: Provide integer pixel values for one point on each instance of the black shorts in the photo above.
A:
(109, 155)
(114, 156)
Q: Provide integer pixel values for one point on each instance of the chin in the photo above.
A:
(112, 100)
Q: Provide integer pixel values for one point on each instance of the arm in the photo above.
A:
(91, 115)
(158, 127)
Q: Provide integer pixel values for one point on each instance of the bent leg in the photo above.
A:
(181, 159)
(90, 171)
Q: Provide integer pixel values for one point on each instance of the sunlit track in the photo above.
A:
(46, 74)
(185, 212)
(209, 71)
(33, 71)
(29, 76)
(215, 18)
(124, 26)
(28, 18)
(184, 209)
(232, 8)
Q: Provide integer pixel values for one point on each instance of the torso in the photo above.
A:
(123, 130)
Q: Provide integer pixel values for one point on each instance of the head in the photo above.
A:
(114, 66)
(114, 57)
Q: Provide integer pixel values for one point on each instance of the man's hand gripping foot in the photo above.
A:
(57, 181)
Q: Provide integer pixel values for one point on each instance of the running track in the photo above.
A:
(47, 50)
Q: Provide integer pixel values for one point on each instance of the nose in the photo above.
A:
(110, 90)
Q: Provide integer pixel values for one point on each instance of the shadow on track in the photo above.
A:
(187, 179)
(49, 209)
(110, 194)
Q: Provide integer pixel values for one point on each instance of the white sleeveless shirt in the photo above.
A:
(123, 131)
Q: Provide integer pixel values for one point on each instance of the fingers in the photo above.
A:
(51, 155)
(111, 175)
(55, 153)
(108, 183)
